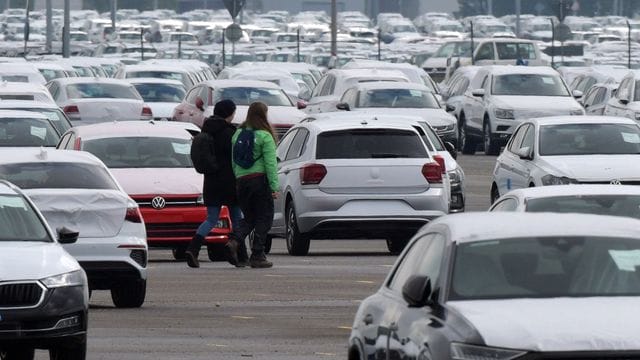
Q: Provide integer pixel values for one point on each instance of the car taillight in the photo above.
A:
(312, 174)
(133, 214)
(440, 160)
(432, 172)
(77, 145)
(72, 112)
(146, 112)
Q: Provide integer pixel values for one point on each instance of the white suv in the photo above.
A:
(501, 97)
(75, 189)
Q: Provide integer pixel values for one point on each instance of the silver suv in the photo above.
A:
(356, 177)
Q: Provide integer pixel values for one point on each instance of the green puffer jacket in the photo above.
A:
(264, 150)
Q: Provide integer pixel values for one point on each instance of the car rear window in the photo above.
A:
(57, 175)
(101, 91)
(141, 152)
(16, 97)
(370, 144)
(25, 132)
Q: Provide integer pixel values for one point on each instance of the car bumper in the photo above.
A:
(61, 318)
(175, 226)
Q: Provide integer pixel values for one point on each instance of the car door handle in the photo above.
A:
(286, 171)
(368, 319)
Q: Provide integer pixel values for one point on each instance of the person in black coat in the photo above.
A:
(219, 188)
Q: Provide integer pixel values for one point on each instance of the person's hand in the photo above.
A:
(274, 194)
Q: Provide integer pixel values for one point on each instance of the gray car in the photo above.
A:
(358, 177)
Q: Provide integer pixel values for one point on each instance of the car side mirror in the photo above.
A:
(417, 290)
(524, 153)
(343, 106)
(478, 92)
(623, 101)
(451, 149)
(577, 94)
(67, 236)
(200, 103)
(450, 108)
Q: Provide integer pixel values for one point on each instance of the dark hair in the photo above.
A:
(257, 118)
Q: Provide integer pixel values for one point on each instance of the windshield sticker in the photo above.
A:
(548, 80)
(273, 92)
(626, 260)
(416, 93)
(182, 149)
(39, 132)
(12, 201)
(632, 138)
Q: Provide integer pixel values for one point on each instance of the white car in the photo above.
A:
(603, 199)
(162, 95)
(75, 189)
(25, 91)
(569, 150)
(501, 97)
(44, 295)
(157, 71)
(26, 129)
(21, 73)
(626, 101)
(50, 110)
(92, 100)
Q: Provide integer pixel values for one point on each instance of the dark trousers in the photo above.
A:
(256, 203)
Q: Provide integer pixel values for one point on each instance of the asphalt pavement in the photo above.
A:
(302, 308)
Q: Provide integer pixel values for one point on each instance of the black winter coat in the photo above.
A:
(220, 188)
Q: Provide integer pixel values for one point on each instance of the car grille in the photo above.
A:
(171, 230)
(612, 181)
(169, 201)
(19, 295)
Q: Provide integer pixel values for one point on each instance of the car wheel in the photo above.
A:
(495, 194)
(267, 242)
(179, 252)
(491, 147)
(467, 145)
(17, 354)
(216, 252)
(396, 244)
(77, 351)
(297, 243)
(129, 294)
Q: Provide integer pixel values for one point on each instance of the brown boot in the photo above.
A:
(260, 262)
(193, 251)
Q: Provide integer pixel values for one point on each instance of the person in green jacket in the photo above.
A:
(257, 187)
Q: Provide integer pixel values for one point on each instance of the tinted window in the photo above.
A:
(19, 222)
(485, 52)
(57, 175)
(248, 95)
(546, 267)
(283, 145)
(370, 143)
(17, 97)
(397, 98)
(529, 84)
(161, 92)
(101, 91)
(586, 139)
(57, 118)
(617, 205)
(296, 145)
(141, 152)
(158, 75)
(515, 51)
(424, 258)
(506, 205)
(22, 132)
(433, 137)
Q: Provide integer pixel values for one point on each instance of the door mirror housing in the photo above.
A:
(450, 108)
(524, 153)
(301, 104)
(451, 149)
(478, 92)
(200, 103)
(67, 236)
(343, 106)
(624, 100)
(417, 291)
(577, 94)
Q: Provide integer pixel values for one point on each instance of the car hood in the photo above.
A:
(542, 103)
(33, 260)
(600, 168)
(278, 115)
(434, 117)
(558, 324)
(159, 181)
(162, 109)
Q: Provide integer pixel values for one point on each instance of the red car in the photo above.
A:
(151, 162)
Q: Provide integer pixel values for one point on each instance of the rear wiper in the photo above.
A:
(388, 155)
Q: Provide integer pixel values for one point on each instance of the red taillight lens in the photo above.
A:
(432, 172)
(71, 109)
(440, 160)
(77, 145)
(133, 214)
(146, 111)
(312, 174)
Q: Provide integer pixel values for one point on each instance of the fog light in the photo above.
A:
(68, 322)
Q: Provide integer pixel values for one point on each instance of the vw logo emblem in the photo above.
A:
(158, 203)
(616, 182)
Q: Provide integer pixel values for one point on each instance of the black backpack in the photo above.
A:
(203, 155)
(243, 149)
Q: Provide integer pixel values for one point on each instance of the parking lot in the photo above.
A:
(302, 308)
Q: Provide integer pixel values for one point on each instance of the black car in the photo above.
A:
(508, 286)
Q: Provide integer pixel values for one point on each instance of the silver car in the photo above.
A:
(360, 177)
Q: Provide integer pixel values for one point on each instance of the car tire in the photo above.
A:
(179, 252)
(396, 244)
(495, 194)
(216, 252)
(491, 147)
(297, 243)
(129, 294)
(77, 351)
(467, 145)
(17, 354)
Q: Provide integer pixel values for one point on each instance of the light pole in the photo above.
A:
(334, 28)
(49, 27)
(66, 37)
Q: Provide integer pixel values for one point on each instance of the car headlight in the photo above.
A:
(579, 112)
(74, 278)
(504, 113)
(474, 352)
(445, 128)
(557, 180)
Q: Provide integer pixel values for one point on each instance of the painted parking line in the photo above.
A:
(217, 345)
(324, 354)
(365, 282)
(243, 317)
(345, 328)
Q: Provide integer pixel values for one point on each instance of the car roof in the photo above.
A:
(136, 128)
(369, 73)
(154, 67)
(574, 190)
(38, 155)
(585, 119)
(240, 83)
(390, 85)
(20, 87)
(345, 120)
(21, 114)
(154, 81)
(31, 104)
(515, 69)
(479, 226)
(96, 80)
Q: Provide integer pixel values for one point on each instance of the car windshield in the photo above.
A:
(157, 74)
(55, 115)
(141, 152)
(51, 74)
(545, 267)
(19, 221)
(513, 51)
(397, 98)
(248, 95)
(25, 132)
(589, 139)
(529, 85)
(617, 205)
(101, 91)
(370, 144)
(152, 93)
(57, 175)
